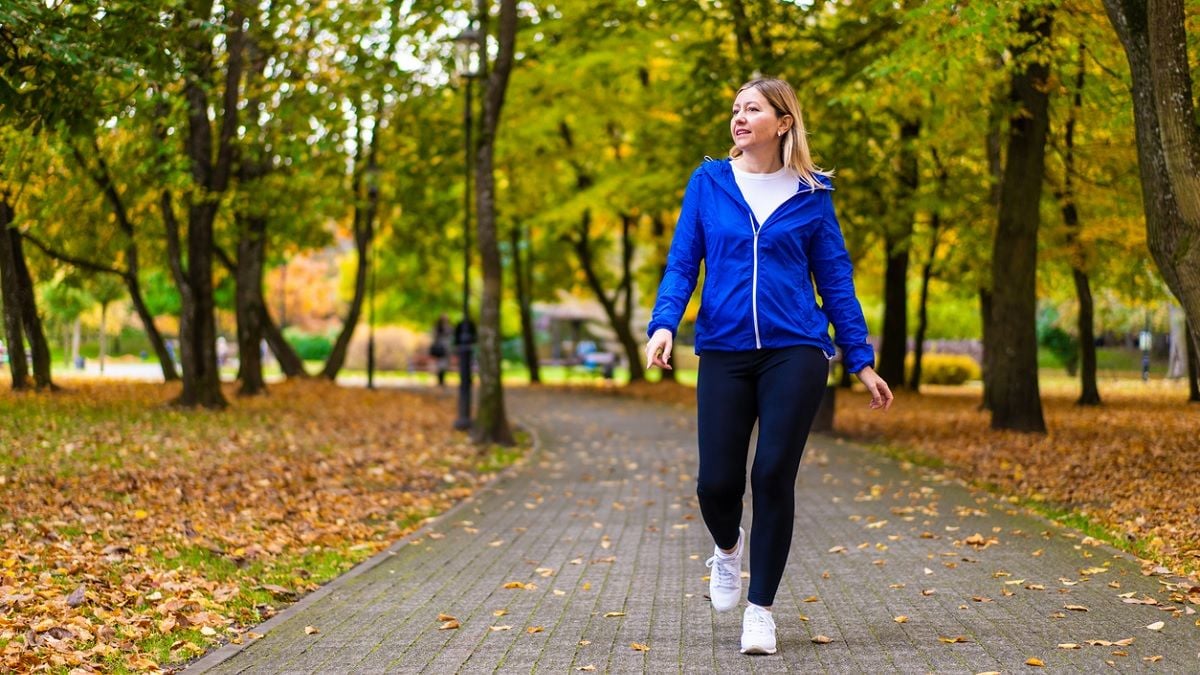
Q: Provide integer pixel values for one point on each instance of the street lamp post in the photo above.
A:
(466, 46)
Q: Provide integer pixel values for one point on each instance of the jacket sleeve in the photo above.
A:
(830, 264)
(683, 263)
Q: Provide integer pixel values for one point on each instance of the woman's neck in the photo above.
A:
(762, 161)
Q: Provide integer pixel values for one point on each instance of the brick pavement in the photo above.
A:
(602, 530)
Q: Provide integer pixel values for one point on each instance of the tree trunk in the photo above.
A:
(251, 246)
(76, 334)
(9, 287)
(524, 278)
(103, 335)
(994, 143)
(363, 234)
(914, 381)
(1193, 368)
(289, 361)
(39, 347)
(1089, 391)
(365, 208)
(102, 176)
(897, 239)
(197, 323)
(1155, 46)
(491, 419)
(1016, 401)
(617, 319)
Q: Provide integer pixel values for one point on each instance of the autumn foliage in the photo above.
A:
(1125, 466)
(136, 535)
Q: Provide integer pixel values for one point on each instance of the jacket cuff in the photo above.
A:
(857, 357)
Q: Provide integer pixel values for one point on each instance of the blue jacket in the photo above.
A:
(758, 282)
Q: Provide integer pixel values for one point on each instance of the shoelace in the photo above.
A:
(759, 620)
(723, 569)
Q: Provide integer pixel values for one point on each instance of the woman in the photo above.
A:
(763, 223)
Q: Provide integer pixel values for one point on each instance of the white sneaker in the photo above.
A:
(725, 580)
(758, 631)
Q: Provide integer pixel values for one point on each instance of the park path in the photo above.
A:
(601, 533)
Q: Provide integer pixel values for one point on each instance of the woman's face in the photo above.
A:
(754, 122)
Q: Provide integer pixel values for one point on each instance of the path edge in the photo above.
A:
(228, 650)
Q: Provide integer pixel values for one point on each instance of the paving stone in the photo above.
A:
(603, 518)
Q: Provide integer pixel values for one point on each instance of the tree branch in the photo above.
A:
(72, 260)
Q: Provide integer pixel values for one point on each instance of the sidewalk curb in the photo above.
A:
(228, 650)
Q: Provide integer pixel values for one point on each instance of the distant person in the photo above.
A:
(222, 351)
(439, 349)
(763, 224)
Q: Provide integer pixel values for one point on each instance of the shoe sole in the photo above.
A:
(751, 650)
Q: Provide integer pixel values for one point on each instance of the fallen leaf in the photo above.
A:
(76, 597)
(534, 629)
(311, 630)
(822, 639)
(588, 668)
(1036, 662)
(609, 615)
(1075, 608)
(499, 612)
(812, 598)
(449, 624)
(838, 549)
(901, 619)
(497, 629)
(446, 617)
(1157, 625)
(1153, 659)
(639, 647)
(953, 640)
(1068, 645)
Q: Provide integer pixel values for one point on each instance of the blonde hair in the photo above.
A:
(793, 149)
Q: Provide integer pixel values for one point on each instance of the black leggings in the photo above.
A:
(781, 389)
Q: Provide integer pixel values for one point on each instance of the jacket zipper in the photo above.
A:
(754, 285)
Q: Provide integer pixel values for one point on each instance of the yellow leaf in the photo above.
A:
(822, 639)
(446, 617)
(499, 612)
(140, 514)
(609, 615)
(1157, 625)
(1034, 661)
(514, 584)
(588, 668)
(496, 629)
(449, 624)
(953, 640)
(1075, 608)
(534, 629)
(1068, 645)
(901, 619)
(639, 647)
(311, 630)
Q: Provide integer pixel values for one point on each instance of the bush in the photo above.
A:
(309, 347)
(1062, 345)
(944, 368)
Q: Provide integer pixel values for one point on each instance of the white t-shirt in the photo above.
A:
(764, 192)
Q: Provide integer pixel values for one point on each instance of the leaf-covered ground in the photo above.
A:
(135, 536)
(1127, 467)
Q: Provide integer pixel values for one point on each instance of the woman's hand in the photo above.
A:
(658, 349)
(881, 396)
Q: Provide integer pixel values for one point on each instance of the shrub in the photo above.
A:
(310, 347)
(944, 368)
(1062, 345)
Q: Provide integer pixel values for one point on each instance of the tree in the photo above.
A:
(1168, 141)
(1015, 399)
(491, 420)
(1090, 393)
